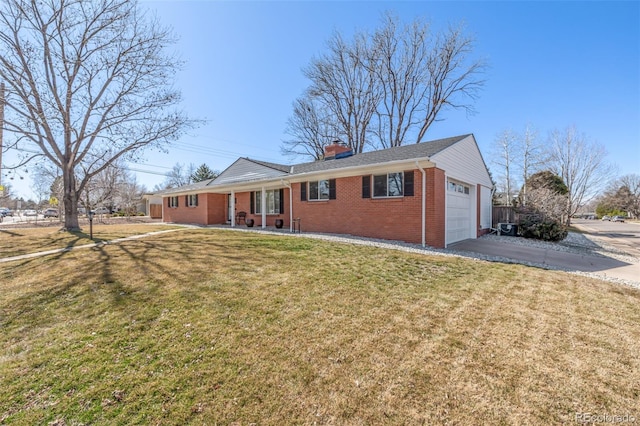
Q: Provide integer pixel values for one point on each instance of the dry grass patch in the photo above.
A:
(19, 241)
(210, 326)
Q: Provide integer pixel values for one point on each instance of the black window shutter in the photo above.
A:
(186, 201)
(253, 202)
(303, 191)
(332, 189)
(196, 200)
(281, 200)
(408, 183)
(366, 186)
(177, 199)
(168, 201)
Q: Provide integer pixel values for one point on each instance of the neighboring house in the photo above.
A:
(433, 193)
(151, 205)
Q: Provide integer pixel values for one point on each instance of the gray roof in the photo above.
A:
(398, 153)
(281, 167)
(185, 188)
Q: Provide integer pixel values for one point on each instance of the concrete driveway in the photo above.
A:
(612, 253)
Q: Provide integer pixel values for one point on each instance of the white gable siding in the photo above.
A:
(244, 170)
(463, 161)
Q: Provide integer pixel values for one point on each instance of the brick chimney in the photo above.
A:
(335, 149)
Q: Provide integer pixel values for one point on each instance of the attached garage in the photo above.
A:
(459, 212)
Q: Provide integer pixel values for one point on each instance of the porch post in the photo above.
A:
(232, 209)
(263, 205)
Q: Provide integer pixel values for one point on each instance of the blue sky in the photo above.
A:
(551, 64)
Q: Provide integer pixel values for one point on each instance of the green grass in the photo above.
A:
(218, 327)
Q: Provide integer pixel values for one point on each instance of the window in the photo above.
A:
(273, 198)
(459, 188)
(191, 200)
(173, 202)
(389, 185)
(318, 190)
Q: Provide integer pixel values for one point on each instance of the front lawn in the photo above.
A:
(19, 241)
(206, 326)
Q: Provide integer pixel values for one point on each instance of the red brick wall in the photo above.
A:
(386, 218)
(210, 210)
(217, 208)
(436, 214)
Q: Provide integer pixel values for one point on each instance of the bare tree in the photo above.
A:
(622, 195)
(421, 74)
(581, 164)
(311, 127)
(504, 156)
(632, 183)
(102, 188)
(387, 88)
(88, 82)
(531, 157)
(179, 175)
(341, 82)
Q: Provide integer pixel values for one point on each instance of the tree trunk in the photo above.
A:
(70, 200)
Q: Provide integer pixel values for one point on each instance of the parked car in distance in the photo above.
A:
(30, 212)
(102, 210)
(50, 213)
(6, 212)
(606, 218)
(617, 219)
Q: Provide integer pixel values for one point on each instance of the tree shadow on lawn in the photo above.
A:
(10, 233)
(96, 270)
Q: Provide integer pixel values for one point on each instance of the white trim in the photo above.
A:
(288, 185)
(424, 203)
(263, 206)
(232, 202)
(446, 207)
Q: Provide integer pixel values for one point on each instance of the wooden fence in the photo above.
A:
(155, 211)
(504, 214)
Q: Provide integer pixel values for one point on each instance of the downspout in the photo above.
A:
(424, 203)
(446, 206)
(288, 185)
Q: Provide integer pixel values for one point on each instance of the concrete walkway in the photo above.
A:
(588, 262)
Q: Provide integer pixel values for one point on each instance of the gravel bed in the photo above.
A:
(574, 243)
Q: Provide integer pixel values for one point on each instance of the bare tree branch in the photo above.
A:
(89, 82)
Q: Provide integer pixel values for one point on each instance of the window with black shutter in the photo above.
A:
(303, 191)
(332, 189)
(252, 203)
(281, 200)
(366, 186)
(408, 183)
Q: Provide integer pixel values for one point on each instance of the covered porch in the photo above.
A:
(261, 207)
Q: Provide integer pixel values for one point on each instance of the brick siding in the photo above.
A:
(385, 218)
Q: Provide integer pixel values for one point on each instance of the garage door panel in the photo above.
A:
(458, 213)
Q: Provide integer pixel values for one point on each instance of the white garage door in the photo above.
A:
(458, 212)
